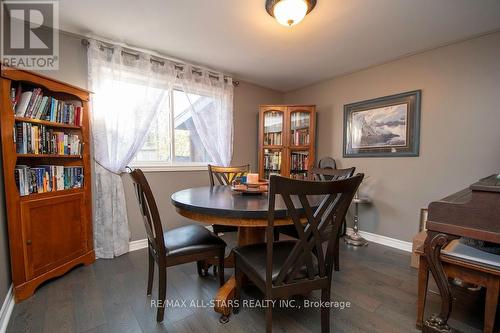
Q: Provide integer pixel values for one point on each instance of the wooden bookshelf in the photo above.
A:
(50, 232)
(286, 140)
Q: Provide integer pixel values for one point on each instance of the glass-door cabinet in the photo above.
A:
(286, 140)
(271, 140)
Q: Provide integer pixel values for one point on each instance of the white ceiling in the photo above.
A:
(240, 38)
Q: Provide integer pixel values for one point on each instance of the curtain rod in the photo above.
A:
(161, 60)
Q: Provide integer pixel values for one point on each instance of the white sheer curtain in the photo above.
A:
(128, 91)
(213, 112)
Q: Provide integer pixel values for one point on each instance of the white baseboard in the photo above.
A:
(379, 239)
(384, 240)
(138, 244)
(6, 311)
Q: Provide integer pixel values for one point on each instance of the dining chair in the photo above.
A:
(321, 174)
(327, 163)
(285, 268)
(225, 176)
(174, 247)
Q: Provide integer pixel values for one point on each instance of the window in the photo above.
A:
(172, 140)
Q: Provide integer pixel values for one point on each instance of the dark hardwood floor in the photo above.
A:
(110, 296)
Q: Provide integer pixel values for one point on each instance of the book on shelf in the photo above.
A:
(40, 139)
(272, 139)
(299, 162)
(300, 137)
(47, 178)
(33, 104)
(15, 95)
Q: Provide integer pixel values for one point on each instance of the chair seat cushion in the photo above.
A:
(190, 239)
(253, 257)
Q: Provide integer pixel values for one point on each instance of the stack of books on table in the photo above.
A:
(47, 178)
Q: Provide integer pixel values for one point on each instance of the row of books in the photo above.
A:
(39, 139)
(47, 178)
(272, 161)
(33, 104)
(272, 139)
(299, 161)
(300, 137)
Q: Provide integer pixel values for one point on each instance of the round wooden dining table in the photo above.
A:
(221, 205)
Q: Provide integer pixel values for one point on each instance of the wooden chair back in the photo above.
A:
(226, 175)
(149, 212)
(327, 163)
(337, 196)
(330, 174)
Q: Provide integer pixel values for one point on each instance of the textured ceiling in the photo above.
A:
(240, 38)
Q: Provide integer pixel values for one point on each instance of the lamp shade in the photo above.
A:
(289, 12)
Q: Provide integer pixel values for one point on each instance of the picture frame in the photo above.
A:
(387, 126)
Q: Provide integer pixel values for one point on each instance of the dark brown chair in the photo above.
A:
(327, 163)
(330, 174)
(285, 268)
(325, 174)
(225, 176)
(174, 247)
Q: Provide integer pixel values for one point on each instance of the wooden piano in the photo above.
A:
(474, 213)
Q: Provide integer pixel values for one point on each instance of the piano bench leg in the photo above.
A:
(423, 281)
(490, 310)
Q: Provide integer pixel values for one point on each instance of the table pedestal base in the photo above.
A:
(225, 296)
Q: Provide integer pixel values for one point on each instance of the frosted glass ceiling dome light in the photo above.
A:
(289, 12)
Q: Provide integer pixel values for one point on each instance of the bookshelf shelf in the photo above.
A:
(49, 232)
(297, 147)
(36, 196)
(48, 156)
(46, 123)
(273, 146)
(296, 127)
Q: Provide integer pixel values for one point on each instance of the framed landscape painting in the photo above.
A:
(383, 127)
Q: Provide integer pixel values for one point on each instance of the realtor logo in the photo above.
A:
(30, 36)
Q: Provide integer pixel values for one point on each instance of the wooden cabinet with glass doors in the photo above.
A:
(286, 140)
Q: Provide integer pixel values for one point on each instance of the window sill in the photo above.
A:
(171, 168)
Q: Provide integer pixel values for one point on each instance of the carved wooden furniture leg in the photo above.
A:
(423, 281)
(438, 323)
(225, 295)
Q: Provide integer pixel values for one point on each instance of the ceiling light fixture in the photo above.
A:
(289, 12)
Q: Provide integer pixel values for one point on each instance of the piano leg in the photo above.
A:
(438, 323)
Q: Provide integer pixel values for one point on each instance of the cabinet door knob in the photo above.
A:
(28, 242)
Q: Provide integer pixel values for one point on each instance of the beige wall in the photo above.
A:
(460, 134)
